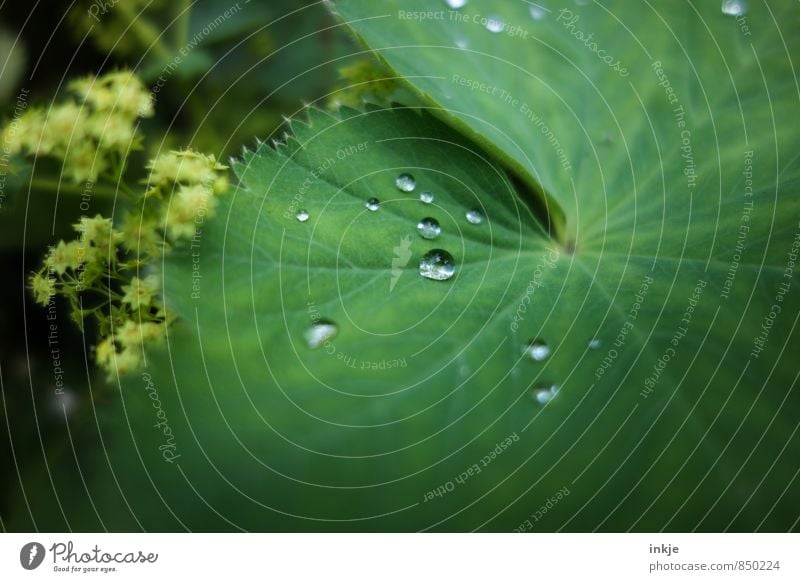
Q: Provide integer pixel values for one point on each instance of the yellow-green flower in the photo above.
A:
(65, 256)
(43, 288)
(105, 352)
(188, 205)
(126, 361)
(113, 131)
(140, 235)
(97, 230)
(65, 125)
(140, 292)
(187, 167)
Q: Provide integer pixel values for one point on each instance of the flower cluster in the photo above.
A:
(108, 270)
(89, 134)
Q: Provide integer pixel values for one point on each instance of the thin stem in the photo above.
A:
(148, 35)
(58, 186)
(183, 24)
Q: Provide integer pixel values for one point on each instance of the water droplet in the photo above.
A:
(426, 197)
(372, 204)
(537, 12)
(405, 183)
(438, 265)
(734, 7)
(594, 344)
(456, 4)
(494, 24)
(320, 332)
(537, 350)
(474, 216)
(462, 43)
(544, 394)
(302, 215)
(429, 228)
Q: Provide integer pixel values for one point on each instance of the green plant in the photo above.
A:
(622, 217)
(106, 272)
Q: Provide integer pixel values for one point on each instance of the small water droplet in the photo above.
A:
(544, 394)
(372, 204)
(405, 183)
(734, 7)
(426, 197)
(302, 215)
(429, 228)
(456, 4)
(438, 265)
(462, 43)
(320, 332)
(474, 216)
(594, 344)
(537, 350)
(494, 24)
(537, 12)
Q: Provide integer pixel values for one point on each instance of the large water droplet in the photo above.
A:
(456, 4)
(537, 12)
(372, 204)
(405, 183)
(734, 7)
(438, 265)
(429, 228)
(494, 24)
(302, 215)
(320, 332)
(474, 216)
(544, 394)
(537, 350)
(594, 344)
(426, 197)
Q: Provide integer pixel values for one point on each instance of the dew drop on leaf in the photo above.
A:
(734, 7)
(537, 12)
(429, 228)
(544, 394)
(456, 4)
(405, 183)
(494, 24)
(426, 197)
(537, 350)
(372, 204)
(474, 216)
(462, 43)
(302, 215)
(594, 344)
(321, 331)
(438, 265)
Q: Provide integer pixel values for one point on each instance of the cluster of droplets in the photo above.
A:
(537, 350)
(436, 264)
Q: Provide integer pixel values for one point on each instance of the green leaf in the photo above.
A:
(681, 414)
